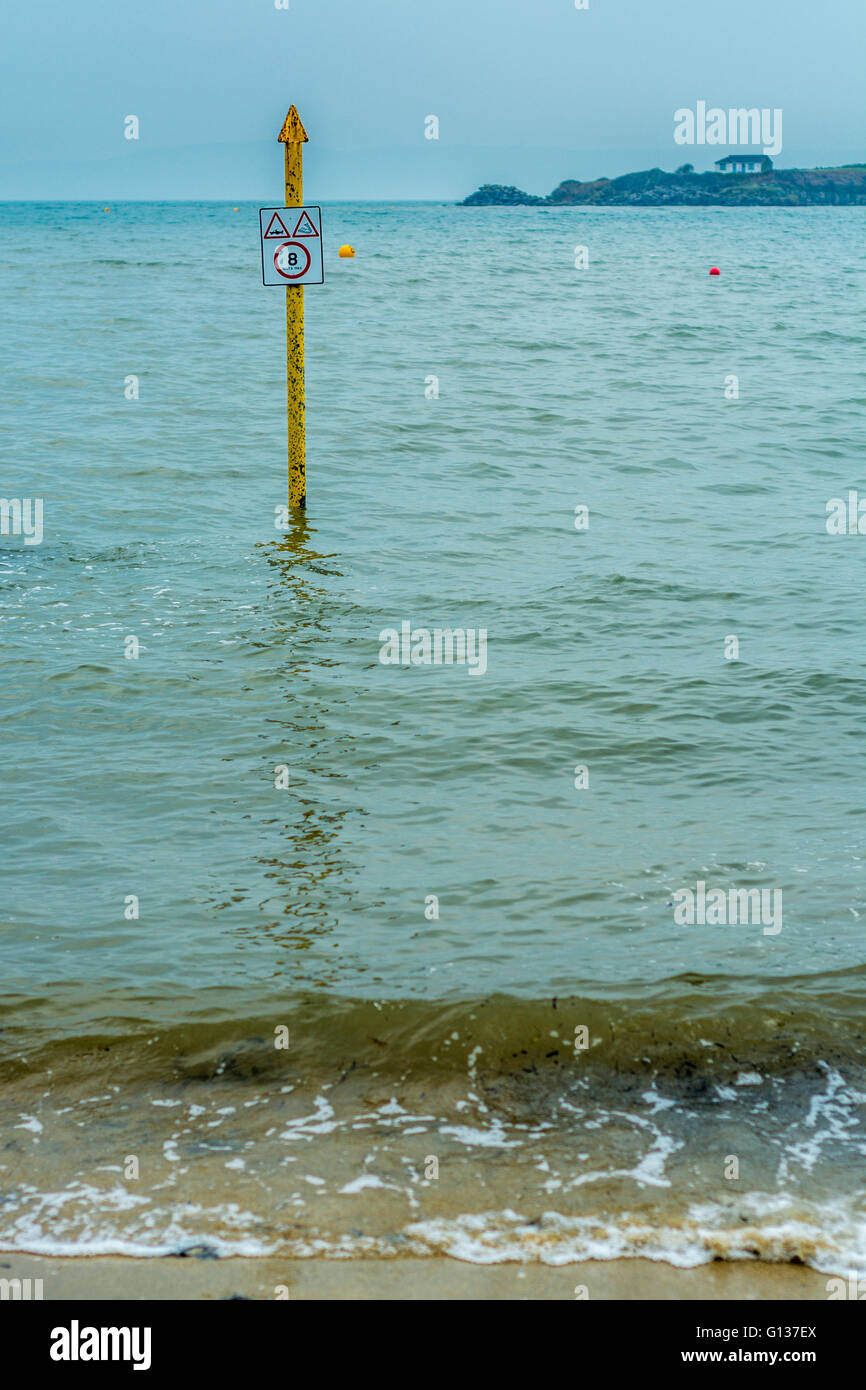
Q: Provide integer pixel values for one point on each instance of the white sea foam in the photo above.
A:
(86, 1220)
(824, 1241)
(30, 1122)
(493, 1137)
(364, 1180)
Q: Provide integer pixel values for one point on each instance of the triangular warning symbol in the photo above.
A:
(306, 226)
(277, 227)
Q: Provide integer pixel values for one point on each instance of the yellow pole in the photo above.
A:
(294, 137)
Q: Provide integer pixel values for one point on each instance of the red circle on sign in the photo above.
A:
(296, 274)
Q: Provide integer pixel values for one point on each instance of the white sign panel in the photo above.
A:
(291, 246)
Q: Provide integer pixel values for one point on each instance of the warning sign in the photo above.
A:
(291, 246)
(277, 227)
(304, 226)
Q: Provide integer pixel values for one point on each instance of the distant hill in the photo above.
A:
(656, 188)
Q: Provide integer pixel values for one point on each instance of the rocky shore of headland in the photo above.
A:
(656, 188)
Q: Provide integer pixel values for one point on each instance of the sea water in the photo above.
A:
(356, 956)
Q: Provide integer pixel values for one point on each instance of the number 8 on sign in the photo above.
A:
(291, 259)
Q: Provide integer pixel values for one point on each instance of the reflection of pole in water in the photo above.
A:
(309, 875)
(295, 560)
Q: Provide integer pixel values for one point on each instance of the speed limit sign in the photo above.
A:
(291, 246)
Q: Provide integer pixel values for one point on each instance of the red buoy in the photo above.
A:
(714, 270)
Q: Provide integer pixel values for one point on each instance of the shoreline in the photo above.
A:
(173, 1278)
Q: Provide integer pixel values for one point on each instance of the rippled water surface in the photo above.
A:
(558, 387)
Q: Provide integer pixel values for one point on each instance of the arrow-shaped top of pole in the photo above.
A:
(293, 132)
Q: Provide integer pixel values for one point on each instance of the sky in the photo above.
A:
(526, 92)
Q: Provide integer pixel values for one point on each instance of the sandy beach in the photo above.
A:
(414, 1279)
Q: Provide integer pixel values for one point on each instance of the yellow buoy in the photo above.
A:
(234, 209)
(106, 209)
(346, 251)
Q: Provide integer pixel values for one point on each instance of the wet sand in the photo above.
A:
(175, 1278)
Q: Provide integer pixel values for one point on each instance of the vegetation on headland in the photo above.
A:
(656, 188)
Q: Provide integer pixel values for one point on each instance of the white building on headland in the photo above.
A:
(744, 164)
